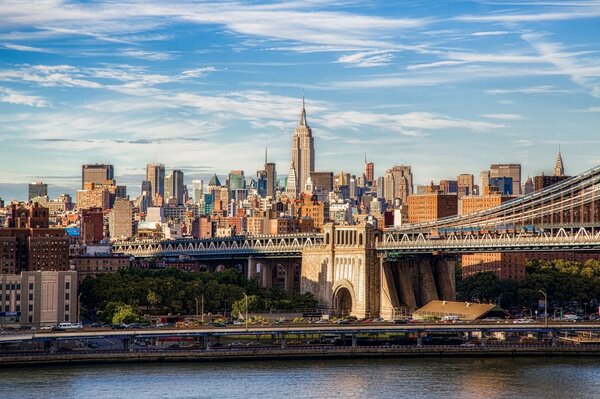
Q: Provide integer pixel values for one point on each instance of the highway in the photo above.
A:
(284, 329)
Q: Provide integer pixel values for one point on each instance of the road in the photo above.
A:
(283, 329)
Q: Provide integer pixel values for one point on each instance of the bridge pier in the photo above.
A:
(289, 278)
(427, 281)
(444, 272)
(389, 294)
(266, 275)
(251, 270)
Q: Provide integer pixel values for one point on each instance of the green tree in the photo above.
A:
(125, 314)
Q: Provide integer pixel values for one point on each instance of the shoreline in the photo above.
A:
(228, 355)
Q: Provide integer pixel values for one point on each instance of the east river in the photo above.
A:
(488, 378)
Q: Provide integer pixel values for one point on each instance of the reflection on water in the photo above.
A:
(469, 378)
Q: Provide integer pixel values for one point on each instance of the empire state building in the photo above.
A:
(303, 152)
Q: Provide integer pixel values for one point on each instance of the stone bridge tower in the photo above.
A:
(349, 276)
(343, 273)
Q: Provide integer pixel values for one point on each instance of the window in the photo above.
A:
(30, 307)
(30, 319)
(67, 296)
(67, 307)
(67, 285)
(18, 308)
(7, 308)
(30, 286)
(18, 298)
(31, 296)
(66, 317)
(18, 286)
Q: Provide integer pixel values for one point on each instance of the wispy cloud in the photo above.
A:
(14, 97)
(504, 117)
(544, 89)
(591, 11)
(367, 59)
(491, 33)
(20, 47)
(148, 55)
(197, 72)
(411, 124)
(585, 75)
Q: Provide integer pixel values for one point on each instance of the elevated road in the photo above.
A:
(302, 329)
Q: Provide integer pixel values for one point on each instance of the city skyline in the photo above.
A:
(188, 83)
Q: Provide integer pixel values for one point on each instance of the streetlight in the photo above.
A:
(545, 308)
(246, 319)
(79, 307)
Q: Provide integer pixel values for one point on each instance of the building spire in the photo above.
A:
(303, 113)
(265, 158)
(559, 169)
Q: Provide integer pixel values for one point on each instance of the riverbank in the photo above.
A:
(151, 356)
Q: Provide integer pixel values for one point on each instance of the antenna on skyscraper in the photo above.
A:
(265, 157)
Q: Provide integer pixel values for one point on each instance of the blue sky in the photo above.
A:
(445, 86)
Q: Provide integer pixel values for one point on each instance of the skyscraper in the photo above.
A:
(559, 169)
(37, 189)
(466, 184)
(398, 183)
(303, 152)
(512, 170)
(369, 173)
(120, 220)
(98, 174)
(155, 174)
(271, 177)
(174, 186)
(198, 190)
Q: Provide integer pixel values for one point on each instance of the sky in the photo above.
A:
(448, 87)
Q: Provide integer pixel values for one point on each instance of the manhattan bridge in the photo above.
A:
(359, 270)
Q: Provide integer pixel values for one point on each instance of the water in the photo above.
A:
(489, 378)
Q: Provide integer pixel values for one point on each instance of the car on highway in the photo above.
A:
(525, 320)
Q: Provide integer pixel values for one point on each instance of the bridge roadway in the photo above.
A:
(303, 329)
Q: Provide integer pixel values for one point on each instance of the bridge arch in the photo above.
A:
(343, 298)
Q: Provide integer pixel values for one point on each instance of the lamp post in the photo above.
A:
(79, 307)
(246, 318)
(545, 308)
(196, 308)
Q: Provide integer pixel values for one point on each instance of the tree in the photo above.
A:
(125, 314)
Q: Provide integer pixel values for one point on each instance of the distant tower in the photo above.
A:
(291, 188)
(303, 151)
(559, 169)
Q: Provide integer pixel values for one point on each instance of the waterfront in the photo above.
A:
(503, 377)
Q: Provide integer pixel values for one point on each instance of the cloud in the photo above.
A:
(434, 65)
(14, 97)
(289, 21)
(148, 55)
(584, 74)
(20, 47)
(592, 11)
(492, 33)
(197, 72)
(544, 89)
(410, 124)
(592, 109)
(504, 117)
(367, 59)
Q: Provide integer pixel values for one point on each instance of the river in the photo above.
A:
(488, 378)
